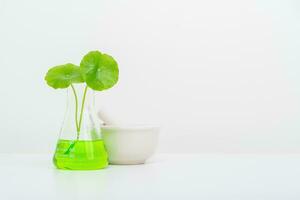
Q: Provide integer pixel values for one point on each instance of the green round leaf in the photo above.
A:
(63, 76)
(100, 71)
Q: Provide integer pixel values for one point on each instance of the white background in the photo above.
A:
(220, 76)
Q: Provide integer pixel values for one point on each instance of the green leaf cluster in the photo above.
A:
(98, 70)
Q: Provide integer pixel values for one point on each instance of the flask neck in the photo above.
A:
(80, 121)
(81, 95)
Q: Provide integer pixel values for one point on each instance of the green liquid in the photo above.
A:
(80, 155)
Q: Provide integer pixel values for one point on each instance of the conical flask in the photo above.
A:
(80, 145)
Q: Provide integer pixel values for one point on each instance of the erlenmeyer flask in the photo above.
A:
(80, 146)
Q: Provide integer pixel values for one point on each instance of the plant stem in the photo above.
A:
(82, 108)
(76, 109)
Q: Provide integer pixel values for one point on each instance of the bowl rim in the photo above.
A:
(131, 126)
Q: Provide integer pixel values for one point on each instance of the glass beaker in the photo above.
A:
(80, 145)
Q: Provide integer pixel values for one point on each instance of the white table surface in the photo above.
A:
(168, 176)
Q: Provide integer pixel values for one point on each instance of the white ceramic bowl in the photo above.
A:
(129, 145)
